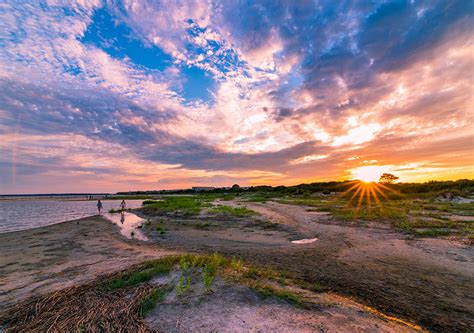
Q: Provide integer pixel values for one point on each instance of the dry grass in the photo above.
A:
(118, 302)
(81, 309)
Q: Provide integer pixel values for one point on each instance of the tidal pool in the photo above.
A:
(304, 241)
(128, 224)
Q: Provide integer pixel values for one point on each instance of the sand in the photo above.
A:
(37, 261)
(429, 281)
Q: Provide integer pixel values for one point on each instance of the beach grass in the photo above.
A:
(424, 216)
(123, 299)
(188, 205)
(233, 211)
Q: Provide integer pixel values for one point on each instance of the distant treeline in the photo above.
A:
(463, 185)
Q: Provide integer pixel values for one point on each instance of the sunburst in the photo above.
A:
(370, 191)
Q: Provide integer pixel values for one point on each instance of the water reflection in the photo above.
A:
(128, 224)
(305, 241)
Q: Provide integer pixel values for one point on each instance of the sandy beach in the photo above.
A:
(373, 279)
(38, 261)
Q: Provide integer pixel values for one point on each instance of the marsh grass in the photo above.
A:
(260, 197)
(188, 205)
(232, 211)
(406, 213)
(150, 202)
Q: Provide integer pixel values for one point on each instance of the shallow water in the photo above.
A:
(18, 215)
(128, 224)
(305, 241)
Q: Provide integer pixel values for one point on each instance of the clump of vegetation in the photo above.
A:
(114, 211)
(203, 226)
(208, 278)
(150, 202)
(161, 228)
(157, 295)
(418, 214)
(236, 264)
(130, 296)
(185, 205)
(183, 286)
(140, 275)
(233, 211)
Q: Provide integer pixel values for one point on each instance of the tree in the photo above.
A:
(387, 178)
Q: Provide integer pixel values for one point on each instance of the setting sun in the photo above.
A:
(370, 173)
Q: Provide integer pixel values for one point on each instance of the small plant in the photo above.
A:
(148, 303)
(234, 211)
(184, 265)
(146, 273)
(236, 264)
(208, 278)
(204, 226)
(160, 228)
(183, 286)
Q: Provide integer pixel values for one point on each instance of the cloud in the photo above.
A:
(207, 92)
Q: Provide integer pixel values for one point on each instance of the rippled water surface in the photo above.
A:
(32, 213)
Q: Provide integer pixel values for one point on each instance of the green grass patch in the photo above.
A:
(265, 281)
(259, 198)
(150, 202)
(144, 274)
(157, 295)
(432, 232)
(269, 291)
(233, 211)
(161, 228)
(203, 226)
(189, 205)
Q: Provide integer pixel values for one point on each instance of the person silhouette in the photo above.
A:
(99, 206)
(123, 205)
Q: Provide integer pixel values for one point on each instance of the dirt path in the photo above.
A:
(38, 261)
(428, 281)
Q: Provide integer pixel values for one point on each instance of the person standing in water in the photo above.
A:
(99, 206)
(123, 205)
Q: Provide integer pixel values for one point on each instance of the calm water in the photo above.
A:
(129, 224)
(26, 214)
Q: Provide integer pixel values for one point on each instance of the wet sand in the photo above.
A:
(37, 261)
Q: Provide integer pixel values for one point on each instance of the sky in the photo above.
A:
(147, 94)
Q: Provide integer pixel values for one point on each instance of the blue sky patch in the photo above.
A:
(119, 41)
(197, 84)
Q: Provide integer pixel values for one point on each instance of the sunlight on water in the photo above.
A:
(305, 241)
(128, 224)
(18, 215)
